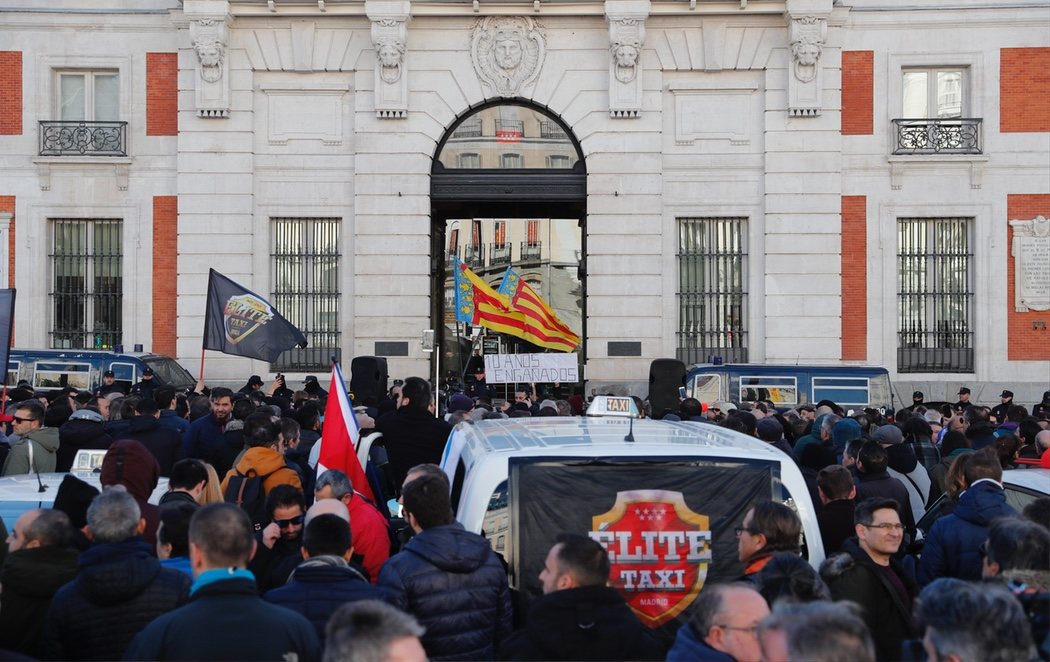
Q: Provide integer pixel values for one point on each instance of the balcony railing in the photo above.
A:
(78, 138)
(938, 136)
(468, 129)
(530, 251)
(499, 254)
(474, 256)
(550, 130)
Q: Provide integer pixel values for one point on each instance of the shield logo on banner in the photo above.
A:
(243, 314)
(659, 552)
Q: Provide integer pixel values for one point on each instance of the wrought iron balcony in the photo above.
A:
(67, 138)
(474, 256)
(550, 130)
(471, 128)
(499, 254)
(531, 251)
(938, 136)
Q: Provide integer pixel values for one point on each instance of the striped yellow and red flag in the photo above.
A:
(540, 320)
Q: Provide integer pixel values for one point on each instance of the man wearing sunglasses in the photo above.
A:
(36, 447)
(280, 542)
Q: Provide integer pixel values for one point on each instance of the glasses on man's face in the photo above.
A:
(740, 530)
(715, 410)
(753, 630)
(16, 419)
(291, 521)
(885, 527)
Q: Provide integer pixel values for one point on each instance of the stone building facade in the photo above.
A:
(782, 181)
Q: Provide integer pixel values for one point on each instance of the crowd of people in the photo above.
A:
(254, 553)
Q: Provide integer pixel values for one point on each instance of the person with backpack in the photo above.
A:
(261, 468)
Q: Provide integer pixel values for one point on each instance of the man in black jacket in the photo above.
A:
(412, 435)
(188, 479)
(874, 481)
(40, 561)
(162, 441)
(120, 588)
(448, 578)
(579, 617)
(867, 573)
(225, 619)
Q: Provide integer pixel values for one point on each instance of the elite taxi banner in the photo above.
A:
(668, 525)
(240, 322)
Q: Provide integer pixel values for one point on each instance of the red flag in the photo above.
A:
(340, 435)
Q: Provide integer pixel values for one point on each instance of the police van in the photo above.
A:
(851, 386)
(82, 369)
(664, 498)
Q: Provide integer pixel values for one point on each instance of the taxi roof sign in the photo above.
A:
(611, 405)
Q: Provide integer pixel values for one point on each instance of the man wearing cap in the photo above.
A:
(999, 411)
(255, 383)
(916, 401)
(459, 406)
(109, 385)
(144, 389)
(1042, 409)
(964, 399)
(480, 388)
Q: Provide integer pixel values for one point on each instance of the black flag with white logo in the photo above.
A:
(7, 324)
(240, 322)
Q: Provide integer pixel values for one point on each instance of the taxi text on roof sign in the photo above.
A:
(608, 405)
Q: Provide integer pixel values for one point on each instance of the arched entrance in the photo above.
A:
(508, 191)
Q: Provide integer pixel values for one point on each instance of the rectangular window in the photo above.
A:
(510, 160)
(88, 96)
(532, 233)
(712, 289)
(60, 374)
(304, 272)
(935, 109)
(935, 295)
(778, 390)
(558, 161)
(934, 93)
(501, 233)
(86, 283)
(469, 160)
(841, 390)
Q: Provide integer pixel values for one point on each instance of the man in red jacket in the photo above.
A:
(368, 527)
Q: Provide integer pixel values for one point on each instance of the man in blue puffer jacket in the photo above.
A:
(448, 578)
(953, 544)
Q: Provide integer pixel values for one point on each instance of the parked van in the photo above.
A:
(850, 386)
(82, 369)
(664, 498)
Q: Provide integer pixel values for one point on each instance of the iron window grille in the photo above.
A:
(499, 254)
(550, 130)
(86, 283)
(712, 289)
(531, 251)
(935, 295)
(513, 127)
(304, 267)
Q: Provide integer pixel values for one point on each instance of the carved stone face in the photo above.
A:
(210, 53)
(389, 54)
(807, 52)
(626, 55)
(507, 52)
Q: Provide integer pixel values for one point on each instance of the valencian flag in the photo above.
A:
(240, 322)
(7, 323)
(340, 435)
(540, 319)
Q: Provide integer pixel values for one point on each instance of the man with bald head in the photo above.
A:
(1042, 444)
(724, 626)
(41, 559)
(324, 580)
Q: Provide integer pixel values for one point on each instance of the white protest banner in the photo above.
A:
(526, 368)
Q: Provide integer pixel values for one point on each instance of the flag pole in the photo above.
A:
(201, 373)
